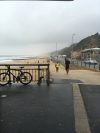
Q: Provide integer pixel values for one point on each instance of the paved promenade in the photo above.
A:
(86, 76)
(70, 104)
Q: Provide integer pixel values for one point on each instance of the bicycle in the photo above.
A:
(24, 77)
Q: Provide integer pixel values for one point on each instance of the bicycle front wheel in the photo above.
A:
(4, 79)
(26, 78)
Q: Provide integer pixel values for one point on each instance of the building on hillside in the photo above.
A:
(75, 55)
(93, 53)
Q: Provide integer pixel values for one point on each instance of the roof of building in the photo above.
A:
(90, 49)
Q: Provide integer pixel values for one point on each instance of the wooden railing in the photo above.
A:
(36, 70)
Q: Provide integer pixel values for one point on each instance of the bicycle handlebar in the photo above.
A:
(8, 66)
(21, 67)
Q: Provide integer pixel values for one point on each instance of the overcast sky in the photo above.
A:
(34, 27)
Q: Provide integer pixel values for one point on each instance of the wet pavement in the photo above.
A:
(43, 109)
(91, 97)
(34, 109)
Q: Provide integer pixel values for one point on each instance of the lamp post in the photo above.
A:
(56, 51)
(72, 44)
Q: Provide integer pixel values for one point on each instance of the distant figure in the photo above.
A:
(67, 62)
(57, 66)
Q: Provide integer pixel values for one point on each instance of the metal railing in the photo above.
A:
(80, 63)
(88, 65)
(36, 70)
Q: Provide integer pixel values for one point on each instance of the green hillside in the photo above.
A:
(88, 42)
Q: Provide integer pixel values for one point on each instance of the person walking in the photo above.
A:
(57, 66)
(67, 63)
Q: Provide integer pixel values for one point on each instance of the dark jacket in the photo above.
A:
(67, 62)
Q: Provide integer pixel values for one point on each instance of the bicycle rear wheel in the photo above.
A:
(25, 78)
(4, 79)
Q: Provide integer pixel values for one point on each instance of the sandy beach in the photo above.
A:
(26, 61)
(30, 65)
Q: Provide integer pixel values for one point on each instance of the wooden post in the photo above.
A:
(48, 75)
(99, 66)
(89, 65)
(94, 65)
(9, 74)
(38, 74)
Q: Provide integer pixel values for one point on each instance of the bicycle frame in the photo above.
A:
(10, 73)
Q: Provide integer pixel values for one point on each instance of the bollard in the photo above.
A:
(89, 65)
(99, 66)
(81, 63)
(94, 65)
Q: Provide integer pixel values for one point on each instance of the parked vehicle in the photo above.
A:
(90, 61)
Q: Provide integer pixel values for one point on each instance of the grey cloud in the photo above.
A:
(40, 23)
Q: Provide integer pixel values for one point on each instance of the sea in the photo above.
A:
(9, 58)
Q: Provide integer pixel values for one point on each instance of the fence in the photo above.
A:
(92, 66)
(80, 63)
(36, 70)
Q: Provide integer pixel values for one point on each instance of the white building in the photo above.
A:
(93, 53)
